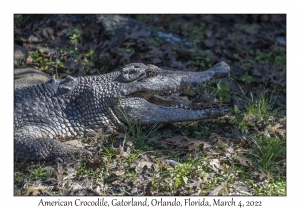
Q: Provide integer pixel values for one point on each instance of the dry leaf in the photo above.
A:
(214, 138)
(34, 191)
(173, 163)
(243, 160)
(230, 150)
(276, 129)
(193, 144)
(216, 166)
(29, 60)
(141, 164)
(263, 175)
(122, 153)
(148, 189)
(85, 192)
(195, 184)
(215, 192)
(33, 38)
(119, 173)
(48, 33)
(206, 145)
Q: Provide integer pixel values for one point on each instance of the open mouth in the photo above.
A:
(185, 97)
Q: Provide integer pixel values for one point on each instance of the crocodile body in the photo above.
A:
(71, 107)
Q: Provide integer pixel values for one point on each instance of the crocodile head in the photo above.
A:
(144, 86)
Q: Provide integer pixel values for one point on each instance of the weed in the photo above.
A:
(255, 110)
(140, 133)
(200, 130)
(125, 50)
(269, 154)
(218, 90)
(247, 78)
(18, 178)
(74, 38)
(175, 26)
(40, 173)
(85, 171)
(108, 153)
(201, 58)
(18, 18)
(154, 41)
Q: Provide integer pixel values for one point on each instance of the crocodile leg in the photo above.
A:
(28, 148)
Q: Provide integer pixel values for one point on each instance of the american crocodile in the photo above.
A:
(68, 108)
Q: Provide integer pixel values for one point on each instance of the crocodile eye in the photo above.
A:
(150, 74)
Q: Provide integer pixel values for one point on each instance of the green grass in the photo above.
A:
(269, 154)
(256, 110)
(139, 133)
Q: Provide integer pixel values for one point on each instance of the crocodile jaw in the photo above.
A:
(136, 103)
(138, 109)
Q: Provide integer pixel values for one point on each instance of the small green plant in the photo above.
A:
(18, 178)
(85, 171)
(199, 130)
(201, 58)
(48, 64)
(18, 18)
(175, 26)
(182, 174)
(219, 90)
(40, 173)
(255, 110)
(125, 50)
(74, 38)
(88, 62)
(154, 41)
(247, 78)
(197, 32)
(269, 154)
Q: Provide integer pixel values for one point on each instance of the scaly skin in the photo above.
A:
(74, 106)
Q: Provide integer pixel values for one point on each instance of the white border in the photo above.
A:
(153, 6)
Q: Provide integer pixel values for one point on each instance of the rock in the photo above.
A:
(29, 76)
(20, 54)
(281, 40)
